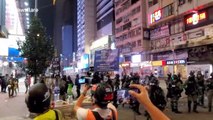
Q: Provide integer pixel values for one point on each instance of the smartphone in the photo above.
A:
(82, 81)
(123, 95)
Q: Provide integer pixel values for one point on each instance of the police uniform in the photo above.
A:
(201, 88)
(191, 88)
(174, 92)
(209, 86)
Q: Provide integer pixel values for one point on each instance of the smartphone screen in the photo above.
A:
(82, 80)
(123, 95)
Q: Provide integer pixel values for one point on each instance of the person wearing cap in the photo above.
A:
(38, 102)
(102, 95)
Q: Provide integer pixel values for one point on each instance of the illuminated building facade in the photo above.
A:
(181, 30)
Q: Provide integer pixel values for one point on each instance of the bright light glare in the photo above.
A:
(28, 22)
(5, 63)
(38, 35)
(27, 14)
(26, 3)
(27, 18)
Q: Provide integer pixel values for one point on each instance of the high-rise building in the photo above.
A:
(104, 27)
(3, 30)
(131, 36)
(130, 21)
(104, 18)
(65, 22)
(181, 36)
(85, 25)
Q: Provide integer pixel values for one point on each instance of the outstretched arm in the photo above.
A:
(143, 98)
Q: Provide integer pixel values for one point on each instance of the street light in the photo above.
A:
(26, 3)
(27, 14)
(38, 35)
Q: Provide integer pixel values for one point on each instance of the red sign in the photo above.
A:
(156, 16)
(195, 18)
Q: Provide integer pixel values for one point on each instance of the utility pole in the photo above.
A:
(36, 7)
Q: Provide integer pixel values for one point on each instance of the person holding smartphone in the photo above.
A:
(102, 96)
(143, 98)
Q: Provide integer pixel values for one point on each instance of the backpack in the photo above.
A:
(98, 117)
(58, 114)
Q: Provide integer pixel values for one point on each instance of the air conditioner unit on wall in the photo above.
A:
(189, 0)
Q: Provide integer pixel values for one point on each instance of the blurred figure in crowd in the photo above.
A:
(209, 85)
(117, 81)
(175, 88)
(201, 88)
(191, 90)
(78, 85)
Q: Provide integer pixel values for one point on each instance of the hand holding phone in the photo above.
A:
(142, 96)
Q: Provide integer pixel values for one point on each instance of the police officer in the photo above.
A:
(209, 87)
(191, 89)
(156, 96)
(175, 89)
(201, 88)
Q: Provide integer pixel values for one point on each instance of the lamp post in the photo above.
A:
(173, 55)
(36, 7)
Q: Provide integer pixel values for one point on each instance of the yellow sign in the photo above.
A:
(157, 63)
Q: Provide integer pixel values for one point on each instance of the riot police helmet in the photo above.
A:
(175, 77)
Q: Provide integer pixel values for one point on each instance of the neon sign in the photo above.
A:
(195, 18)
(156, 16)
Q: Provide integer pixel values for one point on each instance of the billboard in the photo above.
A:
(106, 60)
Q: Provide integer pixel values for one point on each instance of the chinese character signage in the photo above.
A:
(176, 62)
(156, 16)
(199, 18)
(106, 60)
(196, 18)
(162, 13)
(56, 65)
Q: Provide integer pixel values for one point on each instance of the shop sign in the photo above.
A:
(209, 31)
(162, 43)
(134, 65)
(158, 63)
(176, 62)
(159, 32)
(196, 18)
(178, 39)
(136, 58)
(196, 34)
(56, 65)
(106, 60)
(156, 16)
(162, 13)
(125, 64)
(146, 63)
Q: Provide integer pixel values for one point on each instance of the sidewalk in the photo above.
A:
(14, 106)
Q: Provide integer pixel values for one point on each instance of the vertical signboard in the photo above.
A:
(56, 65)
(106, 60)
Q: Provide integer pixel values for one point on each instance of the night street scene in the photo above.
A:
(106, 59)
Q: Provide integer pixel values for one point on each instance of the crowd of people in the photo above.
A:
(9, 84)
(104, 93)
